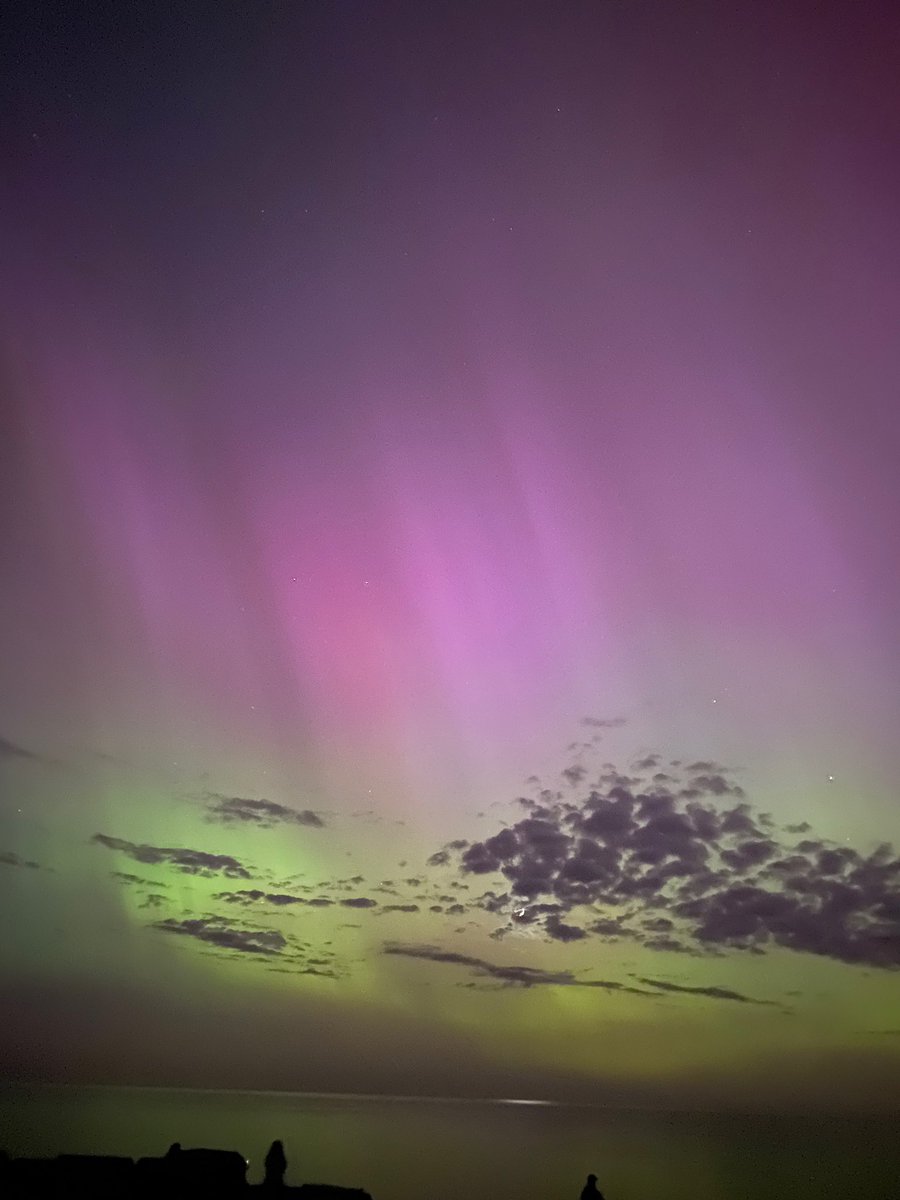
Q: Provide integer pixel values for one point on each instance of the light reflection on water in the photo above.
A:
(403, 1148)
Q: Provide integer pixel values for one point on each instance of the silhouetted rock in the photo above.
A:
(177, 1175)
(95, 1174)
(152, 1174)
(192, 1171)
(32, 1176)
(101, 1177)
(276, 1165)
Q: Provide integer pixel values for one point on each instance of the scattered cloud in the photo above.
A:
(528, 977)
(229, 810)
(675, 859)
(189, 862)
(507, 976)
(216, 932)
(254, 895)
(10, 749)
(681, 862)
(127, 877)
(560, 932)
(713, 993)
(9, 858)
(650, 762)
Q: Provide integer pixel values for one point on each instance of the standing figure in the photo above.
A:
(590, 1191)
(276, 1165)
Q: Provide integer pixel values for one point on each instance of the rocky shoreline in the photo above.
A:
(179, 1173)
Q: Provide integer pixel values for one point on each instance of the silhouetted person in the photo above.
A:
(276, 1165)
(590, 1191)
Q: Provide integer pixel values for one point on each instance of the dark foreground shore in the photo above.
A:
(179, 1175)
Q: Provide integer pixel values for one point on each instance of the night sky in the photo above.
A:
(449, 573)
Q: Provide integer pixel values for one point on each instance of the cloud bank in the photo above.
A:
(678, 860)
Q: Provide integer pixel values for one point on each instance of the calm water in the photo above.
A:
(445, 1150)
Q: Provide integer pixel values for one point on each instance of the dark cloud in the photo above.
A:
(561, 932)
(281, 899)
(746, 855)
(9, 858)
(713, 993)
(402, 908)
(153, 900)
(738, 819)
(657, 924)
(669, 944)
(227, 810)
(608, 927)
(527, 977)
(493, 903)
(216, 932)
(254, 895)
(574, 774)
(509, 976)
(649, 763)
(10, 749)
(189, 862)
(127, 877)
(481, 857)
(359, 902)
(684, 864)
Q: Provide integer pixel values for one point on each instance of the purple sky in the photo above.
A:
(387, 387)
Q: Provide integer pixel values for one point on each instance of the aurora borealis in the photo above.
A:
(449, 590)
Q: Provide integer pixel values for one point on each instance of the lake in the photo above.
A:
(409, 1149)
